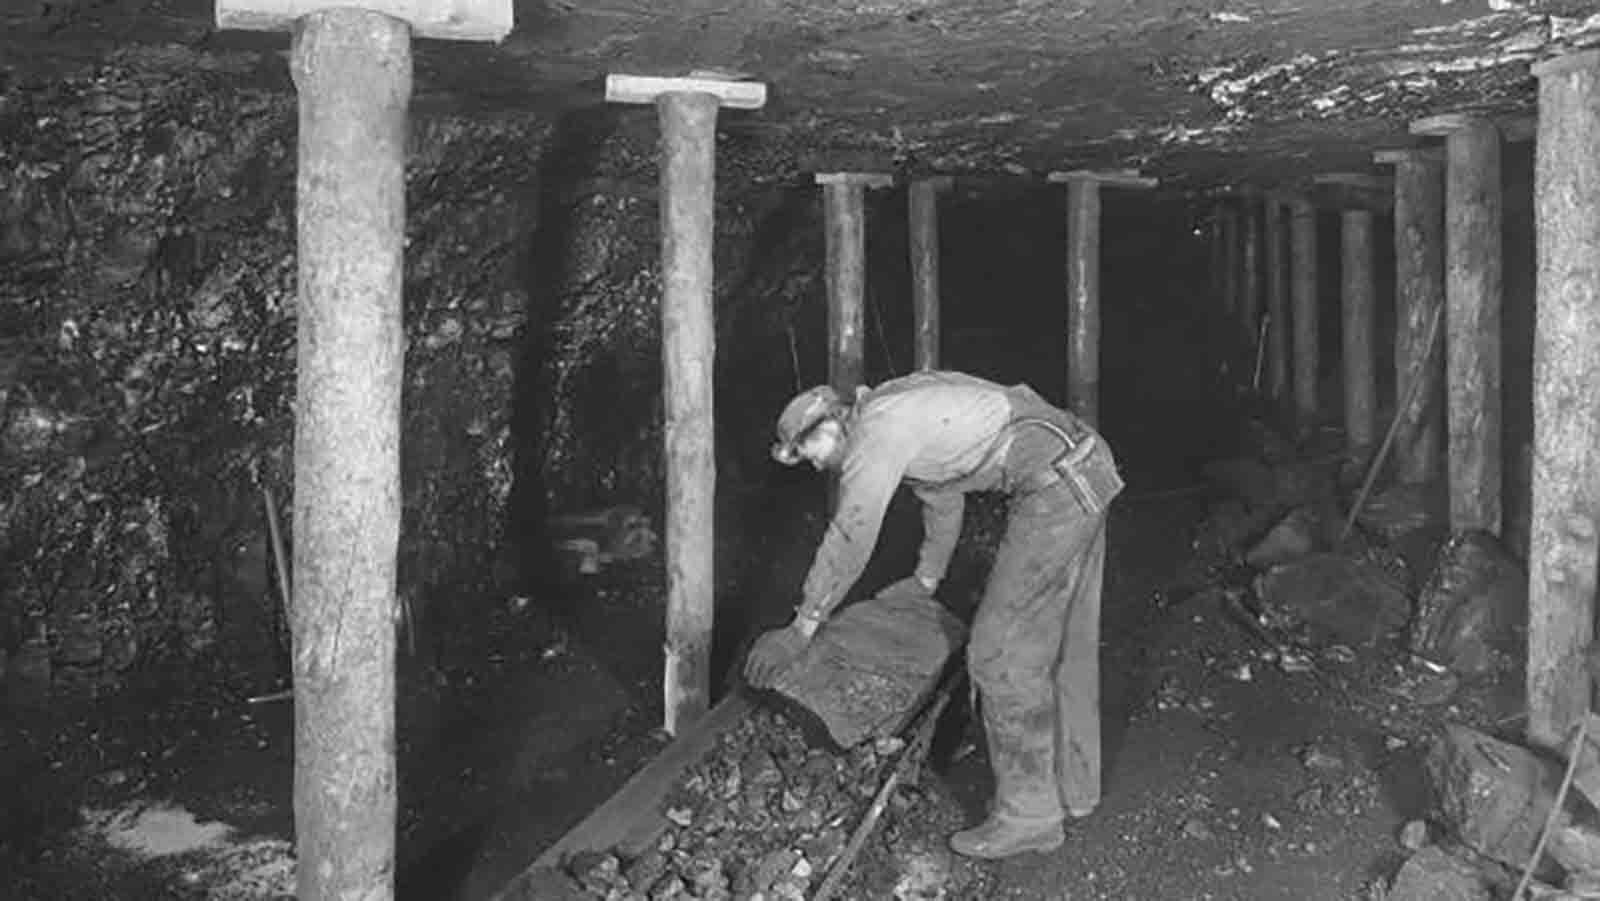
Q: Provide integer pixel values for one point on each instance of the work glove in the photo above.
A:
(910, 586)
(772, 654)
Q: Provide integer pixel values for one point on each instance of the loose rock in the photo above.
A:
(1295, 536)
(1349, 601)
(1470, 614)
(1493, 795)
(864, 672)
(1433, 875)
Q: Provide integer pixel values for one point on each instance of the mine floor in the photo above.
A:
(1228, 777)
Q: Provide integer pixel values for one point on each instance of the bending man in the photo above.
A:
(1034, 650)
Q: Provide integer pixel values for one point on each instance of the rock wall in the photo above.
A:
(147, 331)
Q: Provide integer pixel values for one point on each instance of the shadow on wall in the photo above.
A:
(546, 265)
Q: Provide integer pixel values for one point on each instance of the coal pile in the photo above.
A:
(766, 816)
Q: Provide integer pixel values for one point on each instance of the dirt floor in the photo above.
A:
(1223, 782)
(1229, 777)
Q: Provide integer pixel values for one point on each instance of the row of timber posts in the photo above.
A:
(1448, 211)
(352, 70)
(844, 223)
(1266, 246)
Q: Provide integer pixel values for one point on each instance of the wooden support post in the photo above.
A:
(1083, 282)
(1566, 426)
(1250, 274)
(352, 71)
(1358, 309)
(687, 111)
(1277, 272)
(1083, 298)
(1228, 229)
(1215, 244)
(924, 215)
(1473, 298)
(1307, 349)
(844, 218)
(1419, 291)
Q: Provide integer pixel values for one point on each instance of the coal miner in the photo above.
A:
(1034, 649)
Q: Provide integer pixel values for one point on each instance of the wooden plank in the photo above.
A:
(1116, 178)
(1398, 155)
(1566, 420)
(635, 817)
(1443, 124)
(649, 88)
(863, 179)
(452, 20)
(688, 336)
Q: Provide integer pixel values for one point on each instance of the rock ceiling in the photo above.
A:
(1198, 92)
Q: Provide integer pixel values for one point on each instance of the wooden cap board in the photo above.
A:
(1446, 123)
(1566, 63)
(730, 93)
(1409, 154)
(451, 20)
(1120, 178)
(865, 179)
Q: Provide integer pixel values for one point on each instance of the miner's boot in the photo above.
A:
(1026, 814)
(1002, 836)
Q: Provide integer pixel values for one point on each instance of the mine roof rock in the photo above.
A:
(1184, 92)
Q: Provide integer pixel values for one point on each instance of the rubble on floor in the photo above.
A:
(1492, 803)
(1454, 634)
(766, 816)
(1343, 600)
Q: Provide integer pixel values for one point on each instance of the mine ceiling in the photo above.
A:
(1197, 92)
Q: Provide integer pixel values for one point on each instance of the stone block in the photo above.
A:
(1577, 848)
(1494, 796)
(868, 668)
(1397, 511)
(1350, 601)
(1435, 875)
(1470, 614)
(1296, 535)
(1586, 779)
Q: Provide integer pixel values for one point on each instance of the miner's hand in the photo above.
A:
(772, 654)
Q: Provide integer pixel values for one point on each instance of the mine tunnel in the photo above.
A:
(388, 406)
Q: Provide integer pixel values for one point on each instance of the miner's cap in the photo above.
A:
(802, 414)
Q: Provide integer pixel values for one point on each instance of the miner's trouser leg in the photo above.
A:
(1035, 657)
